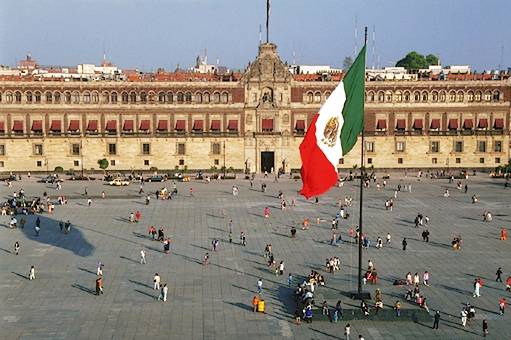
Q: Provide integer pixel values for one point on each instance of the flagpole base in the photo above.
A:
(360, 296)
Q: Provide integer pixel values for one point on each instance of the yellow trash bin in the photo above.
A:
(260, 306)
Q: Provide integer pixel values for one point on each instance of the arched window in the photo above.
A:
(17, 97)
(188, 97)
(37, 95)
(86, 97)
(133, 97)
(95, 97)
(452, 96)
(487, 96)
(470, 96)
(0, 97)
(225, 97)
(180, 97)
(170, 97)
(67, 97)
(417, 96)
(388, 96)
(477, 96)
(143, 97)
(317, 97)
(327, 94)
(76, 97)
(151, 97)
(113, 97)
(29, 97)
(443, 96)
(206, 98)
(49, 97)
(310, 97)
(434, 96)
(398, 96)
(496, 96)
(381, 96)
(425, 96)
(57, 96)
(198, 97)
(459, 96)
(8, 97)
(125, 97)
(161, 97)
(407, 96)
(106, 97)
(216, 97)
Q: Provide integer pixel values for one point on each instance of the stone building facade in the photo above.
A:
(253, 121)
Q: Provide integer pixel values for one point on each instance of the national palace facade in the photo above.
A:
(253, 121)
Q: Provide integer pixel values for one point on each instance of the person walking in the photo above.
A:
(259, 286)
(37, 226)
(404, 243)
(89, 202)
(502, 305)
(388, 238)
(425, 278)
(485, 328)
(156, 281)
(165, 291)
(499, 274)
(347, 331)
(16, 248)
(31, 273)
(99, 285)
(99, 271)
(477, 287)
(290, 279)
(255, 302)
(464, 315)
(437, 320)
(142, 257)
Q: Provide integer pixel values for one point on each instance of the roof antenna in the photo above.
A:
(374, 45)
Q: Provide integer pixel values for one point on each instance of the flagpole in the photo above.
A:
(267, 21)
(360, 294)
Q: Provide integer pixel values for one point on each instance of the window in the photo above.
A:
(86, 97)
(57, 97)
(481, 146)
(497, 146)
(434, 160)
(370, 146)
(2, 164)
(2, 150)
(146, 162)
(76, 97)
(459, 96)
(188, 97)
(112, 162)
(38, 149)
(39, 164)
(458, 160)
(76, 163)
(37, 97)
(29, 97)
(369, 161)
(181, 149)
(75, 149)
(458, 146)
(400, 146)
(113, 97)
(95, 97)
(133, 97)
(143, 97)
(399, 160)
(481, 160)
(125, 97)
(435, 146)
(146, 149)
(215, 148)
(67, 97)
(217, 162)
(497, 160)
(112, 149)
(180, 97)
(496, 96)
(17, 97)
(181, 162)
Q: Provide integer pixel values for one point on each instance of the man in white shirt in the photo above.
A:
(156, 281)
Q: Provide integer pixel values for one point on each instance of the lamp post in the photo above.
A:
(225, 169)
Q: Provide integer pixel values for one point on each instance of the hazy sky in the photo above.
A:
(163, 33)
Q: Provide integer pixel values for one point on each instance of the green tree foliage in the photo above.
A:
(415, 61)
(346, 63)
(103, 163)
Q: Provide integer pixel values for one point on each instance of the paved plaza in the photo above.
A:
(214, 301)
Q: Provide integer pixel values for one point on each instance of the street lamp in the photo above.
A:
(224, 160)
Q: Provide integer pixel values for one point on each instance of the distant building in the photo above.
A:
(313, 69)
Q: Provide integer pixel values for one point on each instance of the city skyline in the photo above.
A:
(231, 33)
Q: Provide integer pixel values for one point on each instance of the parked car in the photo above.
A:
(51, 179)
(81, 178)
(8, 178)
(119, 182)
(156, 178)
(111, 177)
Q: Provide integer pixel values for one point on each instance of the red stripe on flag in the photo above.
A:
(318, 174)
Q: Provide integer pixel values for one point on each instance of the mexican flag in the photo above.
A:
(333, 131)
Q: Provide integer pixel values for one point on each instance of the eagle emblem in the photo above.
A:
(330, 133)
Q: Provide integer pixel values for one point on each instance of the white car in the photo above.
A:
(119, 182)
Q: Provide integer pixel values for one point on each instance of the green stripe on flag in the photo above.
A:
(353, 111)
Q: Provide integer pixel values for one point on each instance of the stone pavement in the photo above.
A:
(213, 302)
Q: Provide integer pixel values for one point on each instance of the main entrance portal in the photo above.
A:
(267, 161)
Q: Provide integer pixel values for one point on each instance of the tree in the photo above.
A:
(415, 61)
(103, 163)
(346, 64)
